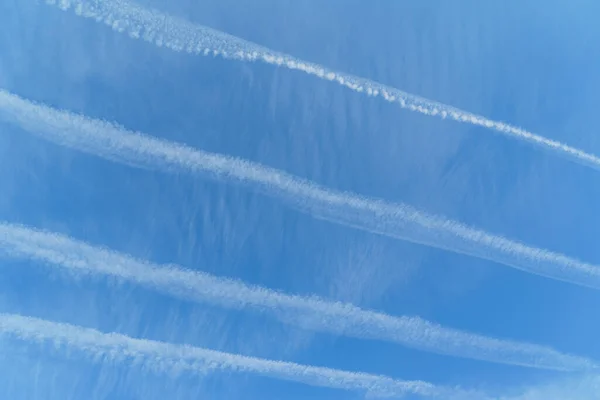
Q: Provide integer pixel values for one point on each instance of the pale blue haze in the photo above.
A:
(530, 63)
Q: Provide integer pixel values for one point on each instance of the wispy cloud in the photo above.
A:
(179, 35)
(172, 358)
(396, 220)
(572, 388)
(311, 313)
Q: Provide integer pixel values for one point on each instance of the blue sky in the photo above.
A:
(531, 64)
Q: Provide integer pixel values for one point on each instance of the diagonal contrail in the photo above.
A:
(311, 313)
(172, 358)
(179, 35)
(396, 220)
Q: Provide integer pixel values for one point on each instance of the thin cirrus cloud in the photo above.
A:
(313, 313)
(395, 220)
(115, 143)
(172, 358)
(582, 387)
(180, 35)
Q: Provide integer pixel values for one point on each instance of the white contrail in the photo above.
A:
(313, 313)
(395, 220)
(172, 358)
(180, 35)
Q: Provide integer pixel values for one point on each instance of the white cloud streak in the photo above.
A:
(395, 220)
(312, 313)
(183, 36)
(172, 358)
